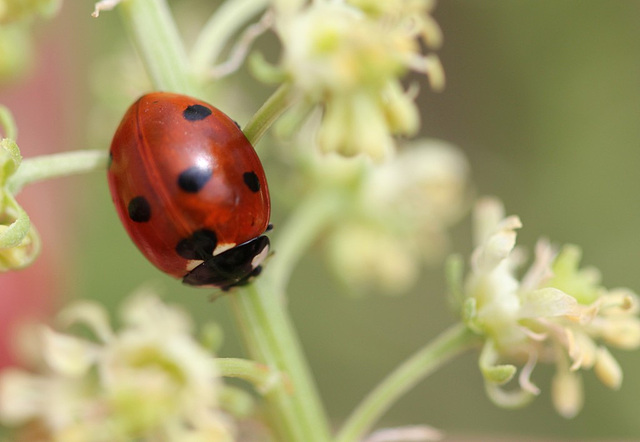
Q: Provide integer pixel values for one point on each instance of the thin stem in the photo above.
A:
(13, 235)
(56, 165)
(268, 113)
(227, 20)
(296, 411)
(450, 343)
(156, 37)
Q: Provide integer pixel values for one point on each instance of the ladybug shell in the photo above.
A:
(180, 167)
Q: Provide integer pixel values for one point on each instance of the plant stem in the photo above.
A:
(156, 37)
(296, 412)
(301, 229)
(450, 343)
(268, 113)
(56, 165)
(222, 25)
(295, 409)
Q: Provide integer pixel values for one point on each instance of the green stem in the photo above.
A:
(450, 343)
(56, 165)
(296, 411)
(222, 25)
(268, 113)
(156, 37)
(300, 230)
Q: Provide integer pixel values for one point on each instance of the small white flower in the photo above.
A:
(399, 216)
(349, 57)
(149, 381)
(556, 313)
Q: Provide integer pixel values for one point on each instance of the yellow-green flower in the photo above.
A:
(399, 217)
(555, 313)
(349, 58)
(149, 381)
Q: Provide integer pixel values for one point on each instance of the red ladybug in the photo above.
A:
(190, 190)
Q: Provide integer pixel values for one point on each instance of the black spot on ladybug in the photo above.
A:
(252, 181)
(139, 209)
(199, 245)
(237, 125)
(196, 112)
(194, 178)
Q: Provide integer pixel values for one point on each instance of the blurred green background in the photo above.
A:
(543, 96)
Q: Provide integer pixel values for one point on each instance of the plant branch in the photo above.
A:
(449, 344)
(156, 38)
(268, 113)
(56, 165)
(223, 24)
(296, 411)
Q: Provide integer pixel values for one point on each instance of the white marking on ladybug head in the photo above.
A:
(257, 260)
(223, 248)
(192, 264)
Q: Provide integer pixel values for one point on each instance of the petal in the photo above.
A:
(67, 354)
(541, 270)
(607, 369)
(547, 302)
(619, 301)
(582, 350)
(497, 247)
(409, 433)
(487, 214)
(20, 396)
(104, 5)
(525, 375)
(622, 332)
(494, 373)
(88, 313)
(508, 399)
(145, 310)
(567, 393)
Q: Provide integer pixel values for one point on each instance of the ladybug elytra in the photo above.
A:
(190, 190)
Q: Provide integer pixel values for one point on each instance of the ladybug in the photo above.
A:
(190, 190)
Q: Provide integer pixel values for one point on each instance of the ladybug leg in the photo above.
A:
(246, 280)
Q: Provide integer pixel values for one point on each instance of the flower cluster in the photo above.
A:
(399, 216)
(150, 381)
(556, 313)
(349, 56)
(19, 241)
